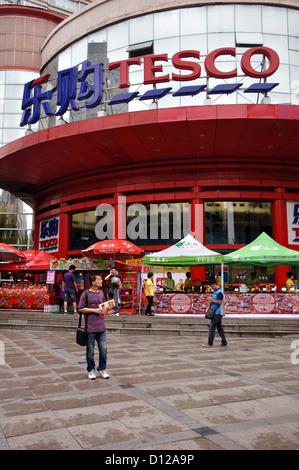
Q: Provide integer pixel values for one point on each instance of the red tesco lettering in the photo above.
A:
(151, 67)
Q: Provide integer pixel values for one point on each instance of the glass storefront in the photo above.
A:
(226, 222)
(16, 222)
(236, 222)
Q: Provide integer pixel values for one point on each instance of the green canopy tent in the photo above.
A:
(187, 252)
(263, 251)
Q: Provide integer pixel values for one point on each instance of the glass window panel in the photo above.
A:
(98, 36)
(279, 44)
(293, 22)
(221, 18)
(166, 24)
(167, 46)
(118, 54)
(2, 77)
(12, 120)
(20, 76)
(84, 229)
(294, 43)
(193, 20)
(14, 91)
(236, 222)
(294, 76)
(79, 52)
(12, 134)
(249, 39)
(197, 42)
(248, 18)
(13, 106)
(118, 36)
(65, 59)
(294, 57)
(141, 29)
(157, 224)
(216, 41)
(274, 20)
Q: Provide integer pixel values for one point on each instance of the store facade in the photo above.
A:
(161, 133)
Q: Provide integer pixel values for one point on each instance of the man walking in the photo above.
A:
(69, 287)
(216, 322)
(96, 328)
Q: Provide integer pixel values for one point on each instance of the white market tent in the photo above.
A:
(186, 252)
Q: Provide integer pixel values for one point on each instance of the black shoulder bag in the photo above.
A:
(81, 333)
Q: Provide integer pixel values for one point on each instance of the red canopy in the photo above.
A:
(40, 262)
(112, 249)
(10, 253)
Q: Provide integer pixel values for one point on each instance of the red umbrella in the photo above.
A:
(10, 253)
(115, 248)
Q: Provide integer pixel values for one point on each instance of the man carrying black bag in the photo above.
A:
(96, 329)
(216, 321)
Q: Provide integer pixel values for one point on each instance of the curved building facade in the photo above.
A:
(155, 120)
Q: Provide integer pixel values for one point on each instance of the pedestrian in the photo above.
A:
(70, 288)
(216, 322)
(95, 326)
(114, 284)
(60, 295)
(169, 284)
(290, 281)
(149, 292)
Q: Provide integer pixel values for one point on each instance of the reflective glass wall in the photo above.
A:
(203, 28)
(16, 222)
(11, 92)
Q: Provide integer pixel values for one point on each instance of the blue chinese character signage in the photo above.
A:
(293, 222)
(71, 88)
(49, 234)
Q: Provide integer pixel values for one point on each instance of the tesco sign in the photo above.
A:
(86, 85)
(179, 61)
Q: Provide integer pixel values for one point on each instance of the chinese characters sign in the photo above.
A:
(293, 221)
(68, 92)
(49, 235)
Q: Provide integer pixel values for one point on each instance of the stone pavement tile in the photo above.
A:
(199, 443)
(267, 437)
(217, 396)
(26, 406)
(29, 423)
(211, 382)
(281, 405)
(98, 434)
(56, 439)
(80, 416)
(143, 419)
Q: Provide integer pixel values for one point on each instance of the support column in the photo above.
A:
(197, 228)
(280, 233)
(120, 217)
(64, 235)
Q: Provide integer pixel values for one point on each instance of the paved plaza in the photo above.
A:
(164, 393)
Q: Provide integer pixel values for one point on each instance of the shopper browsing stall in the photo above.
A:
(149, 292)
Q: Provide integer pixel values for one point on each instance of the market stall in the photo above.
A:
(29, 291)
(261, 296)
(117, 253)
(187, 252)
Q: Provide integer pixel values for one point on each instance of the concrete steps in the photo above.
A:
(141, 325)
